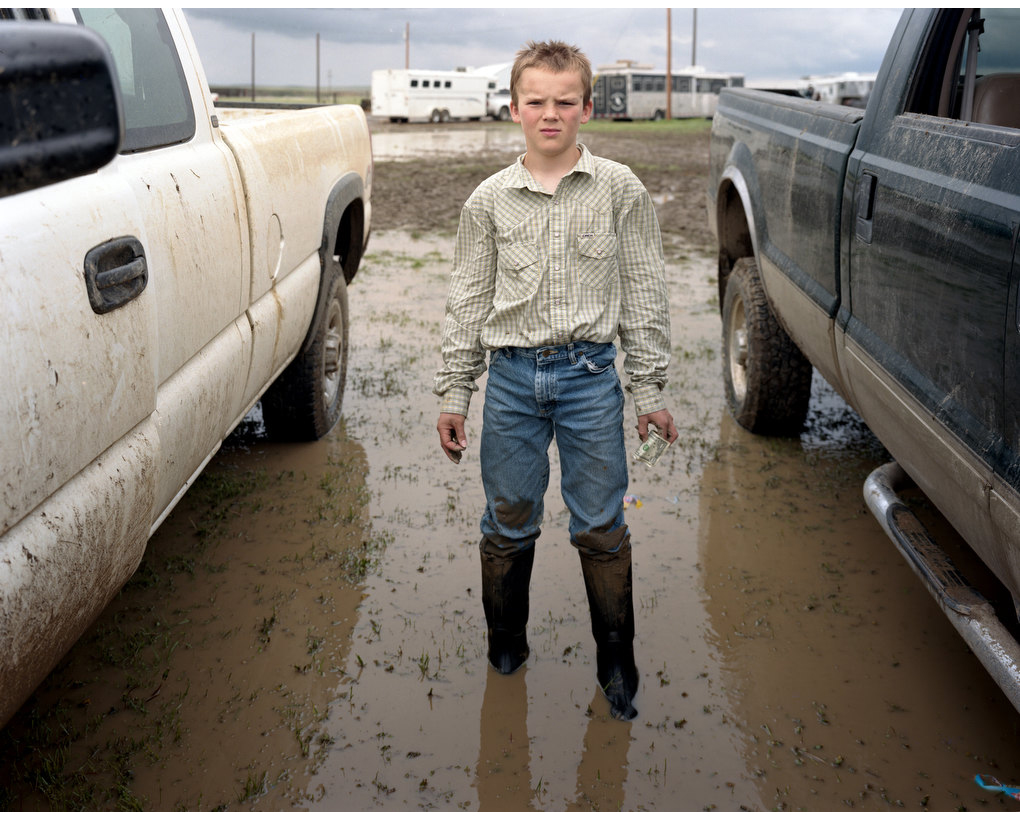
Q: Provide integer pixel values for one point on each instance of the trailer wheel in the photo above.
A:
(767, 378)
(436, 116)
(444, 116)
(659, 115)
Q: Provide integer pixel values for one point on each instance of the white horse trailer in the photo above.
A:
(627, 91)
(850, 88)
(437, 96)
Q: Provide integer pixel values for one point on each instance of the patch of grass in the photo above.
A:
(645, 128)
(254, 786)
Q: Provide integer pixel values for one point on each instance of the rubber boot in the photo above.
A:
(607, 579)
(505, 583)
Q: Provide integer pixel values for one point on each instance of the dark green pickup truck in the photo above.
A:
(879, 246)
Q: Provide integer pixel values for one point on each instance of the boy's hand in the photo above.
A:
(451, 435)
(663, 420)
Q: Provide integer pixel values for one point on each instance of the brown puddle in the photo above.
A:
(307, 630)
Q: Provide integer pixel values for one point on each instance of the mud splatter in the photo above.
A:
(306, 629)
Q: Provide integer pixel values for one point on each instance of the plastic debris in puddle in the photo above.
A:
(991, 783)
(629, 501)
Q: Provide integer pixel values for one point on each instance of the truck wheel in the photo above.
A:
(305, 401)
(504, 113)
(768, 379)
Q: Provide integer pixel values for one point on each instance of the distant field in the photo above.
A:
(287, 94)
(691, 126)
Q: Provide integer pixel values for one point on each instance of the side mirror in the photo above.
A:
(60, 109)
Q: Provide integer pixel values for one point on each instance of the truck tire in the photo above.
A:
(305, 401)
(768, 379)
(504, 114)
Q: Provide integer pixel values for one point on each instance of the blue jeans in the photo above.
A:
(570, 392)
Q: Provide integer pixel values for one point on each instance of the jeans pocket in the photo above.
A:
(600, 361)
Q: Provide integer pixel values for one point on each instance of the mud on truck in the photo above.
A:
(879, 247)
(164, 265)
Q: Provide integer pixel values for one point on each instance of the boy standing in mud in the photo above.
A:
(556, 256)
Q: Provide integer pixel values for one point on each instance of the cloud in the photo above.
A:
(772, 43)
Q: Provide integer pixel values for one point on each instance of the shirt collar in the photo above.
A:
(520, 177)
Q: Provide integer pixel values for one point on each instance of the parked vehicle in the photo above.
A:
(403, 95)
(628, 91)
(879, 246)
(162, 268)
(497, 104)
(849, 88)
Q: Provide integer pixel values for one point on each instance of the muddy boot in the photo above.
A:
(505, 583)
(607, 579)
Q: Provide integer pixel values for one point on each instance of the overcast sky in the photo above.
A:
(763, 44)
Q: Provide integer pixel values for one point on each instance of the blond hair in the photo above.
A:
(552, 55)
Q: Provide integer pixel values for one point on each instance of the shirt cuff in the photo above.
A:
(456, 400)
(647, 399)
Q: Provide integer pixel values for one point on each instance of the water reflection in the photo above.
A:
(835, 657)
(208, 679)
(415, 142)
(603, 769)
(503, 776)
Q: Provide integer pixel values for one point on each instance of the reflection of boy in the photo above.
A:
(556, 256)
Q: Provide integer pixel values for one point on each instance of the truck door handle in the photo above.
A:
(865, 206)
(115, 273)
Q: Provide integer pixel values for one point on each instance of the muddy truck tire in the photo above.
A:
(305, 402)
(768, 379)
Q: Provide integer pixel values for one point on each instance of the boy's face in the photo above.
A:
(550, 108)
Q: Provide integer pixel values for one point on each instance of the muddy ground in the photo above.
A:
(306, 629)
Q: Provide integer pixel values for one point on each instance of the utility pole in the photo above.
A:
(694, 40)
(318, 97)
(253, 66)
(669, 64)
(407, 45)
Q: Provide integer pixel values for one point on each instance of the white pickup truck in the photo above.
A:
(162, 268)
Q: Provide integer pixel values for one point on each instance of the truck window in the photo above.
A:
(157, 106)
(971, 68)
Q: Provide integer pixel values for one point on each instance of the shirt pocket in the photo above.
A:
(596, 259)
(519, 271)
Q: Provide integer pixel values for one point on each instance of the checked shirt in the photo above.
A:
(532, 269)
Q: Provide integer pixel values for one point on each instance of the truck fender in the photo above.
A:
(737, 224)
(342, 240)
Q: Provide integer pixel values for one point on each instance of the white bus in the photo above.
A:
(627, 91)
(437, 96)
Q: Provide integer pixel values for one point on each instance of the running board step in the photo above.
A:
(969, 612)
